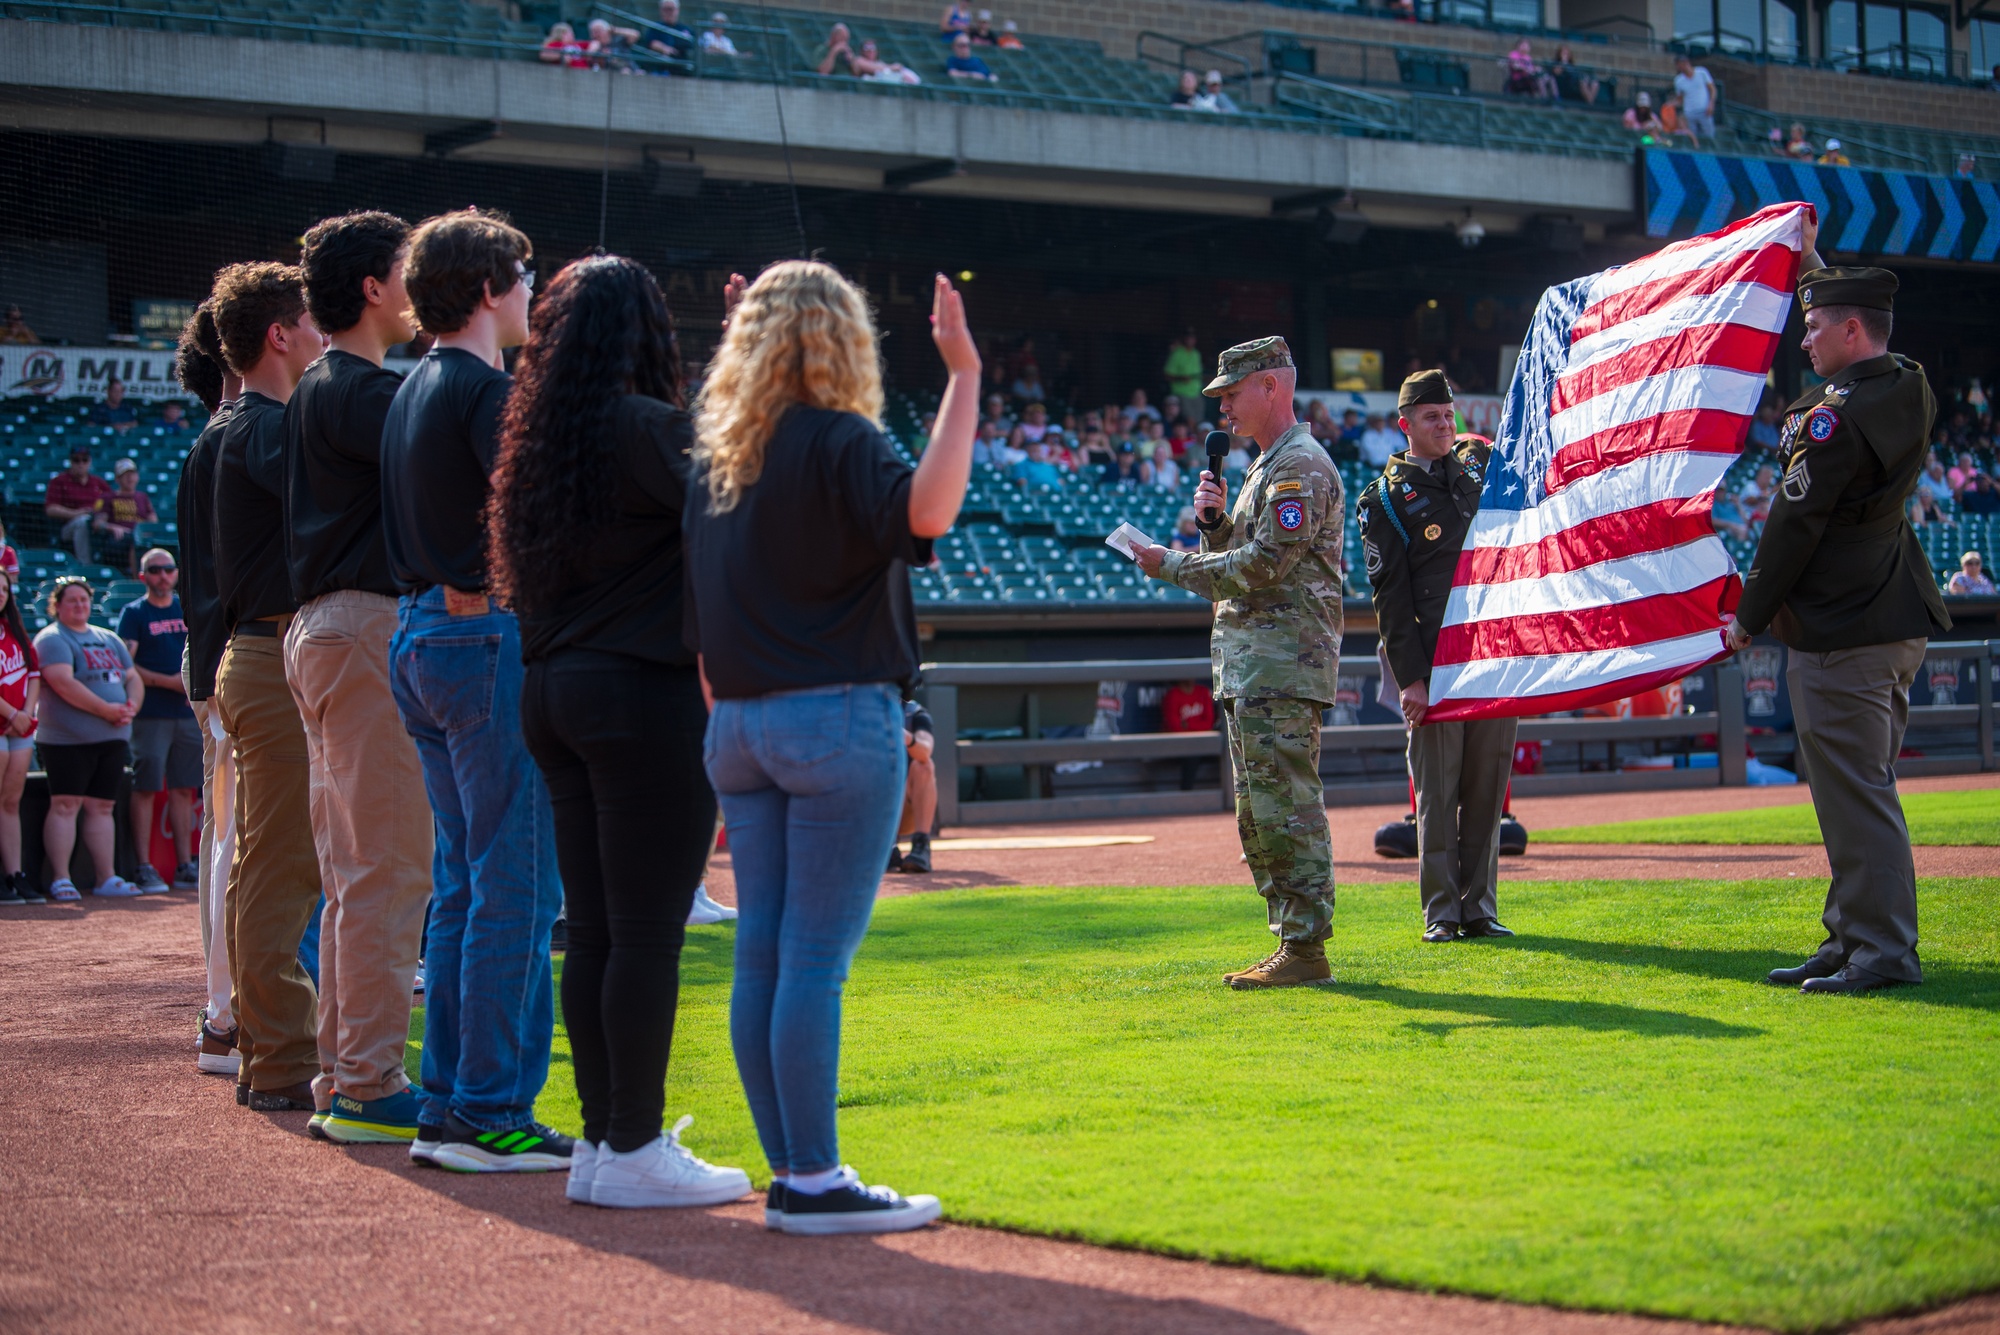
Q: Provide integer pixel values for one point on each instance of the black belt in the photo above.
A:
(266, 629)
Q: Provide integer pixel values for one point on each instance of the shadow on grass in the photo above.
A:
(1944, 985)
(1540, 1013)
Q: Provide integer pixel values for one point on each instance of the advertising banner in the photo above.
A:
(69, 373)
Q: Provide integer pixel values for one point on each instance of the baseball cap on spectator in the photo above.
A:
(1126, 447)
(122, 467)
(79, 452)
(1214, 76)
(1833, 145)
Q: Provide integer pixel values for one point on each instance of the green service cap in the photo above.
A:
(1232, 364)
(1872, 289)
(1423, 387)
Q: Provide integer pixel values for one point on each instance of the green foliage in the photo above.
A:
(1610, 1111)
(1965, 818)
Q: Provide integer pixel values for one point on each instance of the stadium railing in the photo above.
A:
(956, 754)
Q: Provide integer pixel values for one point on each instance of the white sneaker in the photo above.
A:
(582, 1171)
(117, 887)
(663, 1172)
(706, 910)
(417, 982)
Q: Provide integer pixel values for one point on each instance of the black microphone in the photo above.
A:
(1217, 446)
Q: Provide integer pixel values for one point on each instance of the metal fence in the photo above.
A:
(956, 755)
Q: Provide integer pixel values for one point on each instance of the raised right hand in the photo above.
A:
(950, 331)
(1211, 495)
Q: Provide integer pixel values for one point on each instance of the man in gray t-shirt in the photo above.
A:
(99, 661)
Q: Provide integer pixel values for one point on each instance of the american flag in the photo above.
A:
(1591, 571)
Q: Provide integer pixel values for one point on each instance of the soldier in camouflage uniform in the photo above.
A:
(1271, 565)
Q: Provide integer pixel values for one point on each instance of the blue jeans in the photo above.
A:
(811, 785)
(309, 943)
(489, 992)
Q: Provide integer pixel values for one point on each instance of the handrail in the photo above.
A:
(1739, 113)
(1180, 62)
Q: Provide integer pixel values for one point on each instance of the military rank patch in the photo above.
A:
(1797, 480)
(1291, 516)
(1433, 533)
(1821, 424)
(1373, 556)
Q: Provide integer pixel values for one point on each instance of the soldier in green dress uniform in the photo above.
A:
(1271, 565)
(1413, 521)
(1841, 579)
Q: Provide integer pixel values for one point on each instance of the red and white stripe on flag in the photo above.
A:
(1592, 571)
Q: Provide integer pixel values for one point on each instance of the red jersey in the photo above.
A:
(15, 674)
(1189, 707)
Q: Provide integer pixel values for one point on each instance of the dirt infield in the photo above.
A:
(1203, 850)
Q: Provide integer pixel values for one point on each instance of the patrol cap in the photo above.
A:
(1232, 364)
(1871, 289)
(1423, 387)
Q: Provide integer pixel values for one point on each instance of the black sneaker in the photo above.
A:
(895, 858)
(559, 935)
(533, 1148)
(774, 1205)
(9, 892)
(918, 860)
(22, 886)
(424, 1148)
(850, 1207)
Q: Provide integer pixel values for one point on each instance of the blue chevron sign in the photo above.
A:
(1861, 211)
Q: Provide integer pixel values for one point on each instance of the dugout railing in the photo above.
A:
(957, 755)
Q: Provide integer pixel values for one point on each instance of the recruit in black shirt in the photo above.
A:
(438, 446)
(249, 521)
(805, 582)
(333, 477)
(629, 600)
(201, 605)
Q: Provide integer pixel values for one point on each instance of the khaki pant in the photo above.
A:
(1461, 774)
(274, 877)
(212, 858)
(371, 823)
(1850, 708)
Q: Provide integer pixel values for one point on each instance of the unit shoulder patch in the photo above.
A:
(1291, 516)
(1821, 424)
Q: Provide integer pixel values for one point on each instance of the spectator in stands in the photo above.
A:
(1834, 157)
(114, 412)
(1186, 92)
(1727, 517)
(456, 671)
(1980, 496)
(1239, 453)
(1351, 427)
(20, 690)
(562, 48)
(1034, 423)
(957, 22)
(1124, 470)
(919, 792)
(995, 410)
(1673, 122)
(839, 46)
(1639, 117)
(1764, 426)
(1962, 471)
(1138, 408)
(1187, 534)
(1010, 37)
(611, 48)
(870, 65)
(1696, 87)
(174, 419)
(268, 339)
(962, 64)
(1184, 369)
(166, 746)
(1037, 470)
(1934, 482)
(1166, 472)
(1096, 452)
(981, 32)
(1320, 422)
(91, 693)
(671, 41)
(1756, 495)
(715, 42)
(1213, 97)
(805, 744)
(10, 560)
(1970, 581)
(1573, 84)
(1798, 144)
(1526, 77)
(71, 500)
(1188, 706)
(16, 330)
(1379, 441)
(1027, 386)
(119, 514)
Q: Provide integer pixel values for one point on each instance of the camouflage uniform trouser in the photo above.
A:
(1281, 812)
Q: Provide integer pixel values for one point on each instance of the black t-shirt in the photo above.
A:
(805, 582)
(679, 41)
(629, 599)
(201, 605)
(333, 477)
(249, 520)
(438, 446)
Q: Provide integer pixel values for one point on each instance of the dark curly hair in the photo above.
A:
(337, 253)
(198, 358)
(600, 332)
(249, 299)
(455, 260)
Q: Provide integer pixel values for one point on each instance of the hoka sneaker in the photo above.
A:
(663, 1172)
(63, 890)
(389, 1121)
(582, 1170)
(850, 1207)
(316, 1124)
(148, 881)
(533, 1148)
(424, 1148)
(774, 1205)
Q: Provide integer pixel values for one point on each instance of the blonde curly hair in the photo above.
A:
(802, 334)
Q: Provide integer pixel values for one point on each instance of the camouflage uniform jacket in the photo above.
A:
(1273, 573)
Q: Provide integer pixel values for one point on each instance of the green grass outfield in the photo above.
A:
(1965, 818)
(1609, 1111)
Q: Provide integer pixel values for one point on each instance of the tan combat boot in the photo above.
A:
(1294, 964)
(1234, 974)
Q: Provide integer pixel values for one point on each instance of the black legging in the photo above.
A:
(619, 741)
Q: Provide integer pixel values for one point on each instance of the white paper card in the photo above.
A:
(1126, 540)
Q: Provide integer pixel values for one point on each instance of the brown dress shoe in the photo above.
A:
(292, 1098)
(1296, 963)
